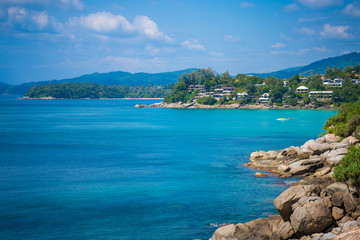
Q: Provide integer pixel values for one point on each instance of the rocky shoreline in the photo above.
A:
(195, 105)
(316, 207)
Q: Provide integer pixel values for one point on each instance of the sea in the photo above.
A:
(102, 169)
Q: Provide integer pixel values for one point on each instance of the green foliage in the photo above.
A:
(93, 90)
(349, 167)
(346, 121)
(207, 100)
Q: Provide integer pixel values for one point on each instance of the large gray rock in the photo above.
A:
(259, 227)
(260, 155)
(337, 213)
(288, 153)
(338, 187)
(283, 203)
(232, 232)
(334, 160)
(305, 166)
(285, 231)
(352, 235)
(350, 202)
(310, 215)
(324, 236)
(304, 153)
(317, 148)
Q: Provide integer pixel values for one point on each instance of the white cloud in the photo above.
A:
(353, 9)
(335, 31)
(247, 4)
(193, 44)
(315, 4)
(278, 45)
(345, 52)
(107, 23)
(290, 52)
(291, 7)
(152, 49)
(145, 26)
(321, 49)
(313, 19)
(283, 36)
(77, 4)
(103, 22)
(23, 19)
(231, 38)
(307, 31)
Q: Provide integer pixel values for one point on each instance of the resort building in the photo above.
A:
(302, 89)
(264, 98)
(322, 94)
(242, 96)
(337, 82)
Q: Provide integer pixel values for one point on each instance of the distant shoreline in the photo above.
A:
(52, 98)
(231, 106)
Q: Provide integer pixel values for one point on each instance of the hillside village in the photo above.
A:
(206, 87)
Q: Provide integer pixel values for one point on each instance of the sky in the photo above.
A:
(57, 39)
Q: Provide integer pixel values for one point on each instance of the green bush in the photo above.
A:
(349, 167)
(207, 100)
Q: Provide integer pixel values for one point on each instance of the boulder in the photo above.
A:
(353, 235)
(350, 141)
(336, 200)
(272, 154)
(322, 171)
(305, 166)
(337, 152)
(337, 213)
(304, 153)
(260, 155)
(338, 187)
(324, 236)
(334, 160)
(331, 138)
(317, 148)
(232, 232)
(140, 106)
(310, 215)
(259, 227)
(350, 202)
(285, 231)
(283, 203)
(287, 154)
(260, 174)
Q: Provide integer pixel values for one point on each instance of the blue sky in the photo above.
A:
(55, 39)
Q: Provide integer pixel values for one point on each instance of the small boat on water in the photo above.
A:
(283, 119)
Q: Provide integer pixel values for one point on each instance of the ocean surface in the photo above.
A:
(102, 169)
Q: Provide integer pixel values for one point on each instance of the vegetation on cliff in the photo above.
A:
(349, 167)
(346, 121)
(93, 90)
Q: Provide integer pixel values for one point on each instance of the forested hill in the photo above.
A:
(351, 59)
(111, 78)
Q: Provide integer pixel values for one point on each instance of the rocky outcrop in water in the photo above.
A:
(322, 210)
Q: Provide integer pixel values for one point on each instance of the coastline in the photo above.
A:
(195, 105)
(52, 98)
(313, 208)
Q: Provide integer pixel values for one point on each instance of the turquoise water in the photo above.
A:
(101, 169)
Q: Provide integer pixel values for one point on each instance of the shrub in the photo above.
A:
(349, 167)
(207, 100)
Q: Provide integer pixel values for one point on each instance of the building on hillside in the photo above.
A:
(242, 96)
(355, 81)
(302, 89)
(264, 98)
(337, 82)
(261, 85)
(322, 94)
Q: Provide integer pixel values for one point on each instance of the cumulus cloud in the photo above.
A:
(315, 4)
(145, 26)
(21, 18)
(105, 22)
(152, 49)
(291, 7)
(335, 31)
(307, 31)
(247, 4)
(278, 45)
(353, 9)
(193, 44)
(231, 38)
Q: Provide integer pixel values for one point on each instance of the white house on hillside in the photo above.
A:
(302, 89)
